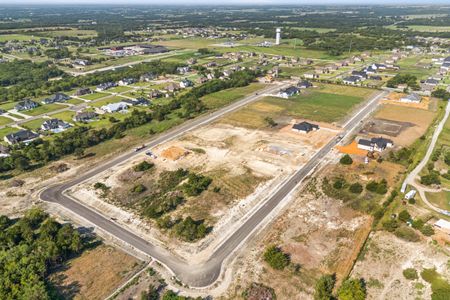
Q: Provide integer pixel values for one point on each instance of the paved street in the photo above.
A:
(207, 273)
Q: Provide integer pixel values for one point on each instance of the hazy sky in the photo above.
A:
(222, 2)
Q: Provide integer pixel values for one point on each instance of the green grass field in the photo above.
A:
(422, 28)
(441, 199)
(120, 89)
(7, 105)
(410, 66)
(34, 124)
(314, 105)
(43, 109)
(72, 33)
(65, 116)
(18, 37)
(74, 101)
(225, 97)
(94, 96)
(5, 121)
(112, 99)
(7, 130)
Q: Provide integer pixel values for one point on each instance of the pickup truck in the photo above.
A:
(139, 148)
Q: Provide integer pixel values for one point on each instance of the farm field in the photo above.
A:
(81, 33)
(219, 99)
(18, 37)
(422, 28)
(413, 66)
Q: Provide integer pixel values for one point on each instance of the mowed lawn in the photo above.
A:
(221, 98)
(5, 120)
(94, 96)
(34, 124)
(441, 199)
(317, 106)
(43, 109)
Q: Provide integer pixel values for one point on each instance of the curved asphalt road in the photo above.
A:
(207, 273)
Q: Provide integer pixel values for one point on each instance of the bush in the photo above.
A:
(138, 189)
(352, 289)
(339, 183)
(346, 160)
(324, 287)
(431, 178)
(101, 186)
(410, 274)
(190, 230)
(259, 291)
(404, 216)
(356, 188)
(276, 258)
(427, 230)
(417, 224)
(377, 187)
(143, 166)
(407, 234)
(196, 184)
(390, 225)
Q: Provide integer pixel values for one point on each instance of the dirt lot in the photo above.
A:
(384, 260)
(245, 164)
(95, 274)
(394, 99)
(319, 233)
(400, 123)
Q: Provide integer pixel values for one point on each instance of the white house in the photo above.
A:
(114, 107)
(411, 98)
(410, 195)
(375, 144)
(288, 92)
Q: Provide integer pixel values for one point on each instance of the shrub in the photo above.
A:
(346, 160)
(259, 291)
(276, 258)
(101, 186)
(404, 216)
(339, 183)
(417, 224)
(196, 184)
(324, 287)
(377, 187)
(390, 225)
(356, 188)
(143, 166)
(407, 234)
(431, 178)
(190, 230)
(138, 189)
(410, 274)
(427, 230)
(352, 289)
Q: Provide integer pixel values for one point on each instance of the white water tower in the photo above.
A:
(278, 36)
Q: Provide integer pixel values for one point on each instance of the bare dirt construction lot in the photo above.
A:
(95, 274)
(385, 257)
(394, 99)
(400, 123)
(320, 234)
(244, 164)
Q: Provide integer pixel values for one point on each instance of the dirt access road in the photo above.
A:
(208, 272)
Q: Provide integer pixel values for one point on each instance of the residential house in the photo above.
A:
(185, 83)
(432, 81)
(192, 61)
(26, 104)
(81, 62)
(360, 74)
(147, 77)
(211, 64)
(411, 98)
(115, 107)
(352, 80)
(311, 75)
(375, 144)
(288, 92)
(83, 91)
(4, 151)
(127, 81)
(154, 94)
(55, 125)
(375, 77)
(105, 86)
(304, 84)
(2, 111)
(304, 127)
(183, 70)
(140, 101)
(56, 98)
(85, 116)
(21, 136)
(173, 87)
